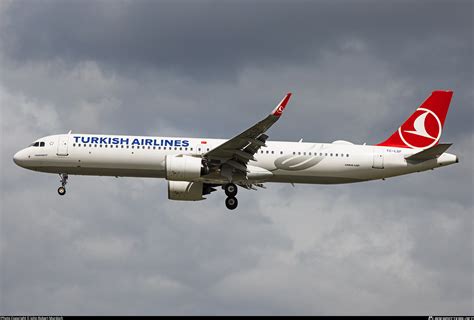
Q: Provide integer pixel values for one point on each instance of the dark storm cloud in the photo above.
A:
(424, 43)
(215, 38)
(189, 68)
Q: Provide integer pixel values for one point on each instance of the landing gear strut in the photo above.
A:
(231, 191)
(62, 188)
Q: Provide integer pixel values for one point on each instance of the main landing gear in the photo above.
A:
(231, 191)
(62, 188)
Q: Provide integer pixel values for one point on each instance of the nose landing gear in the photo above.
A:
(231, 191)
(62, 188)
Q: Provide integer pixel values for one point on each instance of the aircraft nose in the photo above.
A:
(16, 157)
(19, 158)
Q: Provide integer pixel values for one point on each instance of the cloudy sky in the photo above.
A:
(212, 68)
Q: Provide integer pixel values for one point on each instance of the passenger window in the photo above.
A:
(73, 144)
(294, 153)
(299, 153)
(336, 154)
(347, 155)
(281, 152)
(331, 154)
(272, 152)
(304, 153)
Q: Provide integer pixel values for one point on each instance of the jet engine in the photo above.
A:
(188, 191)
(185, 168)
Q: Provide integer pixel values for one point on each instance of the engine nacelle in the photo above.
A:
(185, 190)
(184, 168)
(188, 190)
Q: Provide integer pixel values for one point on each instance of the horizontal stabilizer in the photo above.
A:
(430, 153)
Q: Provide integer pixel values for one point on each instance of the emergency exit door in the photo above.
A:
(63, 145)
(378, 160)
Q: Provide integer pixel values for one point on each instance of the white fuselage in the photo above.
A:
(291, 162)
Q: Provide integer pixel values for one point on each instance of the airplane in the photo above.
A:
(195, 167)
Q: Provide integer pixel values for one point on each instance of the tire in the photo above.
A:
(61, 191)
(231, 203)
(230, 190)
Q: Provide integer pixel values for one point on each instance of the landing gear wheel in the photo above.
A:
(231, 203)
(230, 190)
(62, 191)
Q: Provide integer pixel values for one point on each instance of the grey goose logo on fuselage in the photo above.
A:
(296, 163)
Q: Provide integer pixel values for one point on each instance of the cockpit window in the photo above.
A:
(38, 144)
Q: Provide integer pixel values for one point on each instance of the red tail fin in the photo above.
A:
(423, 128)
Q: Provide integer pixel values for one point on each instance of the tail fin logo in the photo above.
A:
(419, 126)
(422, 130)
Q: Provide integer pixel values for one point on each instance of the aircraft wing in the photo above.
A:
(239, 150)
